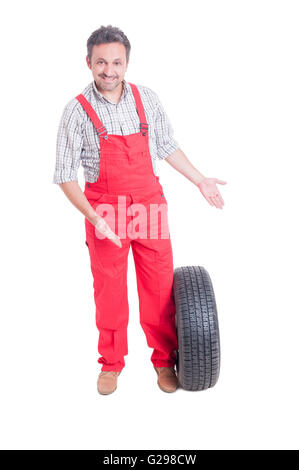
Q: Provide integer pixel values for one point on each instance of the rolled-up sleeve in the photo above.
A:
(68, 145)
(166, 144)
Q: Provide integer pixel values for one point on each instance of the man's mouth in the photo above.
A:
(108, 79)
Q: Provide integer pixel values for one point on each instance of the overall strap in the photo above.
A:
(92, 114)
(140, 109)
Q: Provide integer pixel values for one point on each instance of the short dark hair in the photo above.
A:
(106, 34)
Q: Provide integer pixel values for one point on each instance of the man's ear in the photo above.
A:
(88, 62)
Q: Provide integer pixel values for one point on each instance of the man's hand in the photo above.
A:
(75, 194)
(210, 191)
(102, 226)
(207, 186)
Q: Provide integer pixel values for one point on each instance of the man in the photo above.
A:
(116, 130)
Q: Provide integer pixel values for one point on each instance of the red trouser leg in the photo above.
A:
(109, 270)
(154, 273)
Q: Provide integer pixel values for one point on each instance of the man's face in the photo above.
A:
(108, 65)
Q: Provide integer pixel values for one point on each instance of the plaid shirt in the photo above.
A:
(78, 140)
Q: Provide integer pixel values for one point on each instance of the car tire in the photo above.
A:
(198, 356)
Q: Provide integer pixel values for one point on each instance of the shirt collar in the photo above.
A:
(103, 99)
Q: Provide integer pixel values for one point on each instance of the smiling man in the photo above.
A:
(117, 130)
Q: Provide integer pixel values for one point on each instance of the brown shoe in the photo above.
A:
(167, 379)
(107, 381)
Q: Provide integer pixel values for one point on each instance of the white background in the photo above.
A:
(227, 74)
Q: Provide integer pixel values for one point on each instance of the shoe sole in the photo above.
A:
(107, 393)
(167, 391)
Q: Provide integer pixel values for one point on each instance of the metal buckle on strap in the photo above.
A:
(103, 131)
(143, 126)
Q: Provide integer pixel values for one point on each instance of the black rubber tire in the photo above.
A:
(198, 357)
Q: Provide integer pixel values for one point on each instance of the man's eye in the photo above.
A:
(101, 62)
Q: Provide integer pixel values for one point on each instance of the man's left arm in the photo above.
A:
(207, 186)
(169, 151)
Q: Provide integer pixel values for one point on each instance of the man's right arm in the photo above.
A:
(68, 157)
(75, 194)
(69, 147)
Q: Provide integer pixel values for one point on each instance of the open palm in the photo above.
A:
(210, 191)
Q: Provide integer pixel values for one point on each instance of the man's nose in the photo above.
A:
(109, 71)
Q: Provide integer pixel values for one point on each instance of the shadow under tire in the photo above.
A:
(198, 356)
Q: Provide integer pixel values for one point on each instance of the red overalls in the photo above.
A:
(126, 170)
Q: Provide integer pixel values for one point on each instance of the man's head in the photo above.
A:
(108, 52)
